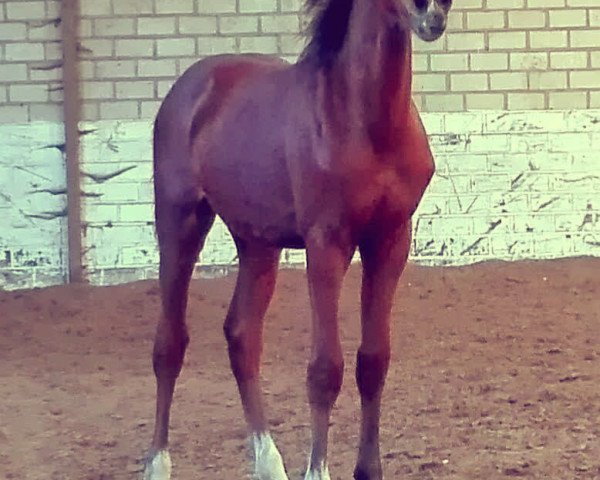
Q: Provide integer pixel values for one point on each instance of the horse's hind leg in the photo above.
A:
(181, 231)
(243, 329)
(383, 259)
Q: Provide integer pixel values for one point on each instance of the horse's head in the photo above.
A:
(428, 18)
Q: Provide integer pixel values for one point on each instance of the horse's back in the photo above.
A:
(220, 71)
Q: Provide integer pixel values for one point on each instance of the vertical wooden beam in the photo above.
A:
(72, 114)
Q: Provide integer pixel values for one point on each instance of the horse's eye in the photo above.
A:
(421, 4)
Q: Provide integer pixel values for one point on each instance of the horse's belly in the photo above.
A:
(257, 222)
(253, 197)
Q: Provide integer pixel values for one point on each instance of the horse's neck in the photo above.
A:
(375, 67)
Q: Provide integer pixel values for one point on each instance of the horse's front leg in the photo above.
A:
(383, 258)
(327, 263)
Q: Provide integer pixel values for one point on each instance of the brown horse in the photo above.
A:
(328, 154)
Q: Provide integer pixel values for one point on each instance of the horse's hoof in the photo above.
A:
(158, 467)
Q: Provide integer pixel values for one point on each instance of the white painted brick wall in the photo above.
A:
(32, 205)
(509, 185)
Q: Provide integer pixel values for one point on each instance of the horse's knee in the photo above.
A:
(168, 353)
(243, 353)
(324, 381)
(371, 370)
(235, 339)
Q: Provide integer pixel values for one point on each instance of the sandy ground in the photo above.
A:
(495, 374)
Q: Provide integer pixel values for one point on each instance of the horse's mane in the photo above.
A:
(327, 30)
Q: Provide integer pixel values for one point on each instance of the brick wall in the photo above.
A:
(132, 51)
(513, 55)
(510, 185)
(32, 174)
(30, 61)
(498, 54)
(33, 245)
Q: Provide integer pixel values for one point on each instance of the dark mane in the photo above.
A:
(327, 30)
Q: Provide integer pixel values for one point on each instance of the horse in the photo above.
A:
(327, 154)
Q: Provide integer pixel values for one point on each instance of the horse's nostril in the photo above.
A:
(437, 29)
(437, 22)
(436, 32)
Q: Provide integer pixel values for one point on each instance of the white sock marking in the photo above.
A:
(268, 464)
(319, 473)
(159, 467)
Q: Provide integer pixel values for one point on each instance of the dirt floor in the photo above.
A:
(495, 374)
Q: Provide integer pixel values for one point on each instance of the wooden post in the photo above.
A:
(72, 114)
